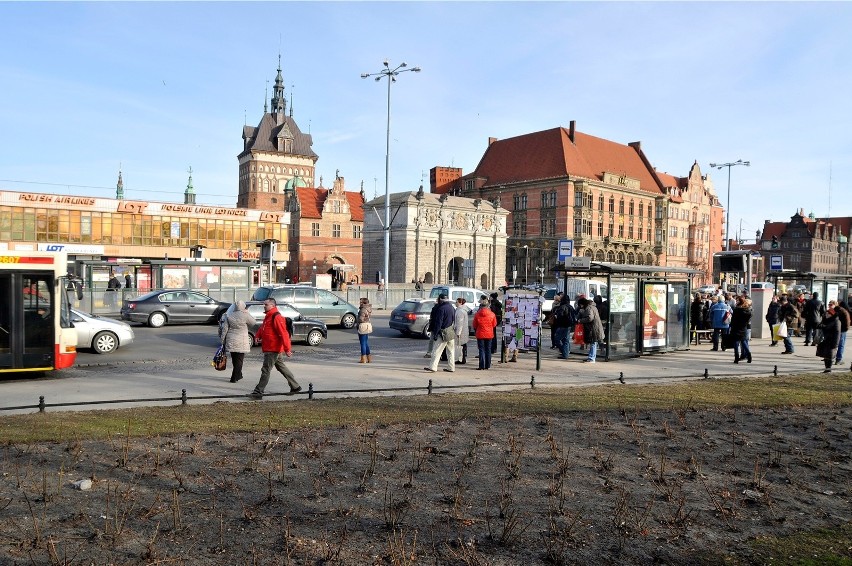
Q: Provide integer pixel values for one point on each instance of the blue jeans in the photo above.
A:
(484, 345)
(839, 357)
(593, 351)
(788, 344)
(364, 339)
(741, 351)
(563, 341)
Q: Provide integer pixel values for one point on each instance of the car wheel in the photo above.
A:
(348, 320)
(157, 319)
(426, 333)
(253, 339)
(314, 338)
(105, 342)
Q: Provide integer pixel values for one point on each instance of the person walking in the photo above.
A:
(432, 337)
(830, 328)
(128, 282)
(740, 320)
(236, 338)
(551, 321)
(441, 324)
(275, 343)
(813, 312)
(113, 287)
(462, 330)
(484, 325)
(772, 317)
(696, 318)
(787, 314)
(845, 320)
(720, 318)
(564, 319)
(497, 308)
(593, 331)
(365, 328)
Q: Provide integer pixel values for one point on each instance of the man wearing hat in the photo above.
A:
(441, 325)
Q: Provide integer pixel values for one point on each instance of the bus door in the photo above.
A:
(27, 329)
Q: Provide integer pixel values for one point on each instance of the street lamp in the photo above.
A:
(527, 266)
(728, 207)
(390, 75)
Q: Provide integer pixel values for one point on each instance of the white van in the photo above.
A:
(469, 294)
(587, 287)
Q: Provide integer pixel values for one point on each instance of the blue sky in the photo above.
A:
(157, 87)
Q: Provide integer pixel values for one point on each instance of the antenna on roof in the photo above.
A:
(291, 99)
(829, 189)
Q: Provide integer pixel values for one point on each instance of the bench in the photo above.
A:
(697, 335)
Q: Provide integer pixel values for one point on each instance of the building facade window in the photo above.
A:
(315, 229)
(356, 232)
(335, 230)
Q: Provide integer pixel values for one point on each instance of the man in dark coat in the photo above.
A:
(497, 308)
(564, 319)
(827, 348)
(772, 317)
(813, 312)
(443, 318)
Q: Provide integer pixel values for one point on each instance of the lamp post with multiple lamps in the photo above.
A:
(390, 74)
(728, 206)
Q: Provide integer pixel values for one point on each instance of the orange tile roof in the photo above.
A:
(551, 153)
(311, 201)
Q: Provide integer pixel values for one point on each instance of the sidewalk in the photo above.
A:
(344, 377)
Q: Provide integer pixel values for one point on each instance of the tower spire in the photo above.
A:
(189, 193)
(279, 100)
(119, 187)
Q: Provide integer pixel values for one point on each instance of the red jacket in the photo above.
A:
(273, 333)
(484, 322)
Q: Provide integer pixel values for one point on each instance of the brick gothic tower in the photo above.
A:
(276, 156)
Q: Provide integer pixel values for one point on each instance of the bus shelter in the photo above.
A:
(831, 286)
(644, 309)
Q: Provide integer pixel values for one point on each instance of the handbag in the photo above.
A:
(365, 328)
(448, 334)
(779, 331)
(220, 359)
(579, 334)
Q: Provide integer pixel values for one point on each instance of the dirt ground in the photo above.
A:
(674, 487)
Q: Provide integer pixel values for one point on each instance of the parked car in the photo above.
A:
(707, 289)
(453, 292)
(411, 316)
(312, 302)
(547, 305)
(103, 335)
(302, 329)
(173, 306)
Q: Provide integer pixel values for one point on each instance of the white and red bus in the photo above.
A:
(36, 333)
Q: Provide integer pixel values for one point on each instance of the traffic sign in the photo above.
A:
(776, 262)
(566, 249)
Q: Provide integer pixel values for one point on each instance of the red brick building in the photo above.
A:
(809, 244)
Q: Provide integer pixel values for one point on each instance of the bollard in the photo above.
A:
(532, 382)
(775, 371)
(41, 404)
(183, 396)
(621, 376)
(310, 391)
(706, 374)
(429, 388)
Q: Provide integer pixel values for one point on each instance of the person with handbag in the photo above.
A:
(365, 328)
(236, 338)
(442, 327)
(789, 315)
(827, 347)
(593, 331)
(772, 317)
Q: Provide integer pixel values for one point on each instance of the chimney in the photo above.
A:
(571, 129)
(636, 145)
(491, 140)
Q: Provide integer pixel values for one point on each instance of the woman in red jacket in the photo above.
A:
(484, 323)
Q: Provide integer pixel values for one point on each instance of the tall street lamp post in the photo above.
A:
(527, 265)
(728, 207)
(390, 75)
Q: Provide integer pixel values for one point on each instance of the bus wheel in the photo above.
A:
(156, 320)
(105, 342)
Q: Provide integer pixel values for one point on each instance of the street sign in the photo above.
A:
(578, 262)
(566, 249)
(776, 262)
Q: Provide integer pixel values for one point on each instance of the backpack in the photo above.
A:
(566, 316)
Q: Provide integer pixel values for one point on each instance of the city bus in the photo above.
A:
(36, 334)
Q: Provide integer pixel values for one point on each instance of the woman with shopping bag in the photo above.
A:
(772, 318)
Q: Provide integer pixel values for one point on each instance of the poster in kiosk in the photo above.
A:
(654, 315)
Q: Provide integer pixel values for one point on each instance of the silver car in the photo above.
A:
(103, 335)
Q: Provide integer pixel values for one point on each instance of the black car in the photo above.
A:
(173, 306)
(411, 316)
(303, 329)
